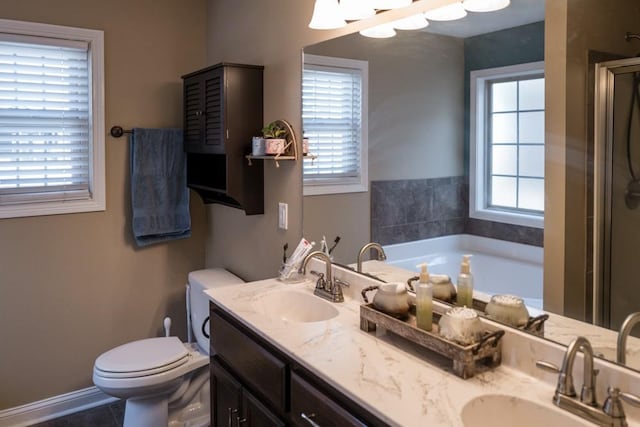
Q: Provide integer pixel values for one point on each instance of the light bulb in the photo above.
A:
(379, 32)
(353, 10)
(414, 22)
(326, 15)
(447, 13)
(390, 4)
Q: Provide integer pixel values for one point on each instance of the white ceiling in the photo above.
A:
(519, 12)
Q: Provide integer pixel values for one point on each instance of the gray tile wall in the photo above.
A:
(408, 210)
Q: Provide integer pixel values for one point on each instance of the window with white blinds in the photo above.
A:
(50, 115)
(334, 119)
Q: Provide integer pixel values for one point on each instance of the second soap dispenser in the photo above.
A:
(424, 300)
(465, 283)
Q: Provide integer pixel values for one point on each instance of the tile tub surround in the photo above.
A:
(407, 210)
(395, 380)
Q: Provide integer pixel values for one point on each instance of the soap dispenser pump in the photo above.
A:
(424, 300)
(465, 283)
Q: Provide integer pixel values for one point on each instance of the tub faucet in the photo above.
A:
(326, 287)
(625, 329)
(372, 245)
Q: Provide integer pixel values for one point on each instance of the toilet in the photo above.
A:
(164, 381)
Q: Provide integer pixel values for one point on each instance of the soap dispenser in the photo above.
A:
(465, 283)
(424, 300)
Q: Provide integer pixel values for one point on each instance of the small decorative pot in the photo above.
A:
(257, 146)
(274, 145)
(305, 146)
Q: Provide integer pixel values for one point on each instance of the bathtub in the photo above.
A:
(498, 267)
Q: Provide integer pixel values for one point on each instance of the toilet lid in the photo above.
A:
(148, 356)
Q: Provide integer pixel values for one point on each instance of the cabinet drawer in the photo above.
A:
(319, 409)
(263, 372)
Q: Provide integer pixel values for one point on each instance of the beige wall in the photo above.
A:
(416, 123)
(73, 286)
(585, 25)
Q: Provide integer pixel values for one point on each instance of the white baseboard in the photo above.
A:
(54, 407)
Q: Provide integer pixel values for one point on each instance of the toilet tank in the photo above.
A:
(200, 281)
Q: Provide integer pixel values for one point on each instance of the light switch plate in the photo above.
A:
(283, 216)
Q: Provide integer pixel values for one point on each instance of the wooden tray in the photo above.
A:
(487, 351)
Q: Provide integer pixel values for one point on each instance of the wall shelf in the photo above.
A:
(277, 158)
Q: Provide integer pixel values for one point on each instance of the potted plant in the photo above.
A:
(274, 135)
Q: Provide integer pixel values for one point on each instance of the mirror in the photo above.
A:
(418, 137)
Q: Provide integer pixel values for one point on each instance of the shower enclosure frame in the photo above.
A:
(605, 74)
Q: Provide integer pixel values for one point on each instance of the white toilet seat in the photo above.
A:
(142, 358)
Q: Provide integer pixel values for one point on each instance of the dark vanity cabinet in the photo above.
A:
(222, 112)
(255, 384)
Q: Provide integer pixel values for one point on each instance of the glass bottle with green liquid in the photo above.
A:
(424, 300)
(465, 284)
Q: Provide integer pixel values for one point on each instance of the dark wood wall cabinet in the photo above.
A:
(255, 384)
(222, 112)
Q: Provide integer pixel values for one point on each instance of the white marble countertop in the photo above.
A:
(398, 382)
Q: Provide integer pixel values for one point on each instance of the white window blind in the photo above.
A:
(45, 128)
(334, 121)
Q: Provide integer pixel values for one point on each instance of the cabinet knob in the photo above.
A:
(240, 421)
(309, 419)
(199, 113)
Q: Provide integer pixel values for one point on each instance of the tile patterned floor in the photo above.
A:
(111, 415)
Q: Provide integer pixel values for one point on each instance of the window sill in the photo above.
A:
(508, 217)
(51, 208)
(317, 190)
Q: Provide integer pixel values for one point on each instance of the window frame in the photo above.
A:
(97, 199)
(478, 153)
(344, 185)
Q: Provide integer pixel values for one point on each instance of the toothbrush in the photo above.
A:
(335, 243)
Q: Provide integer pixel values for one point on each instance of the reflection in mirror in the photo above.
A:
(420, 156)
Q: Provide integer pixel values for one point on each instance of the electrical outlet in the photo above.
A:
(283, 216)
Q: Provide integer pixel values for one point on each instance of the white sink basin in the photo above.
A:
(295, 306)
(496, 410)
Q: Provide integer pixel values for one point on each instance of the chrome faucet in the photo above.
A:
(326, 287)
(625, 329)
(564, 397)
(372, 245)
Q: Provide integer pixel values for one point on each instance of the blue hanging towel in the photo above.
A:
(159, 193)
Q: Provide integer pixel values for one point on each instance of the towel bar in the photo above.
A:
(117, 131)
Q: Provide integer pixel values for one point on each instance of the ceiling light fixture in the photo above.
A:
(485, 5)
(447, 13)
(383, 31)
(326, 15)
(390, 4)
(414, 22)
(352, 10)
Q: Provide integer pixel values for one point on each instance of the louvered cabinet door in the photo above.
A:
(204, 112)
(214, 124)
(193, 114)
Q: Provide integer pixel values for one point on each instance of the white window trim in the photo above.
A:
(97, 201)
(309, 188)
(477, 161)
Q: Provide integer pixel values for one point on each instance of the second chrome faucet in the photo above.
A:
(373, 245)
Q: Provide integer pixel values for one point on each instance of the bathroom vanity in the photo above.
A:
(255, 383)
(283, 356)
